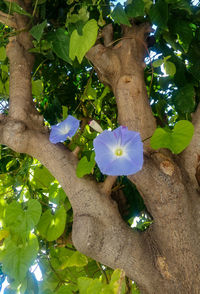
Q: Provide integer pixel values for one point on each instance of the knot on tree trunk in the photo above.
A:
(126, 57)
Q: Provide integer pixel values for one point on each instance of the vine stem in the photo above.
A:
(102, 271)
(35, 7)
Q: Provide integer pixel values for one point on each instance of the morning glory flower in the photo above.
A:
(63, 130)
(119, 152)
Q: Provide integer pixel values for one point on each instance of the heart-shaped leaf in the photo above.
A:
(80, 44)
(84, 166)
(157, 62)
(170, 68)
(60, 43)
(184, 99)
(52, 226)
(176, 140)
(119, 15)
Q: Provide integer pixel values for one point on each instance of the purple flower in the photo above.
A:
(119, 152)
(63, 130)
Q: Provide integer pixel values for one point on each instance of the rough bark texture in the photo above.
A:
(165, 258)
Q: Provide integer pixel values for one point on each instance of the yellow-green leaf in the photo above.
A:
(2, 53)
(80, 44)
(52, 226)
(176, 140)
(3, 234)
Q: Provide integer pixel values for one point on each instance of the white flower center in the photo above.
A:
(118, 152)
(64, 130)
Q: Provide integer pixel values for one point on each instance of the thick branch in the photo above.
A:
(107, 185)
(191, 156)
(160, 182)
(122, 67)
(98, 230)
(20, 82)
(21, 101)
(7, 20)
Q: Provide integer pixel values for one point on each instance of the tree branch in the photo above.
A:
(191, 156)
(21, 101)
(160, 181)
(8, 20)
(106, 186)
(98, 229)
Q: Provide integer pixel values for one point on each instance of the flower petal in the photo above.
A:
(129, 162)
(103, 145)
(63, 130)
(122, 166)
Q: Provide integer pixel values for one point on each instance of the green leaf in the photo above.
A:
(79, 45)
(82, 16)
(89, 286)
(184, 99)
(136, 8)
(66, 289)
(14, 7)
(4, 70)
(90, 92)
(77, 259)
(3, 234)
(170, 68)
(176, 140)
(60, 44)
(181, 5)
(37, 87)
(148, 4)
(184, 32)
(22, 221)
(56, 194)
(18, 257)
(117, 283)
(2, 53)
(99, 100)
(159, 14)
(84, 166)
(6, 85)
(171, 41)
(172, 1)
(3, 205)
(38, 30)
(33, 212)
(42, 177)
(13, 215)
(157, 63)
(120, 16)
(51, 226)
(64, 112)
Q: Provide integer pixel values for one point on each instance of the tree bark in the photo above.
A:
(163, 259)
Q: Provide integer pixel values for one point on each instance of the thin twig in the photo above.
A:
(35, 7)
(107, 185)
(102, 271)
